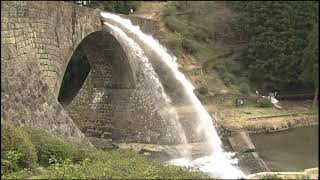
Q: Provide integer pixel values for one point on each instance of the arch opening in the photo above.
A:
(99, 70)
(76, 73)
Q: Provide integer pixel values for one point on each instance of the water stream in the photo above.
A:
(218, 164)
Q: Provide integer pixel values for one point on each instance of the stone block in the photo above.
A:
(102, 143)
(251, 163)
(241, 142)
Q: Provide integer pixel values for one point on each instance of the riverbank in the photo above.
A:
(311, 173)
(253, 119)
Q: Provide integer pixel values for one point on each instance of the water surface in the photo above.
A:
(291, 150)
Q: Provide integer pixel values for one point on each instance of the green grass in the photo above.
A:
(59, 158)
(117, 165)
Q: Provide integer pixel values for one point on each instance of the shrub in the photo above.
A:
(169, 10)
(175, 25)
(203, 90)
(174, 42)
(244, 88)
(17, 151)
(9, 161)
(80, 153)
(54, 149)
(50, 149)
(264, 102)
(200, 36)
(228, 78)
(190, 46)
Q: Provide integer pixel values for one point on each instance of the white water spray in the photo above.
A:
(135, 52)
(218, 163)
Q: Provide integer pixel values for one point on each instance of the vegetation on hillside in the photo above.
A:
(275, 34)
(30, 153)
(121, 7)
(197, 31)
(271, 46)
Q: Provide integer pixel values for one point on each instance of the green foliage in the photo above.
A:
(17, 151)
(302, 177)
(9, 161)
(200, 36)
(63, 161)
(122, 7)
(310, 64)
(118, 164)
(169, 10)
(264, 102)
(224, 72)
(203, 89)
(275, 33)
(16, 174)
(270, 176)
(244, 88)
(51, 149)
(174, 42)
(191, 37)
(194, 40)
(190, 46)
(175, 25)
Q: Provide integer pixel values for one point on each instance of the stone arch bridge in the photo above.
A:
(38, 39)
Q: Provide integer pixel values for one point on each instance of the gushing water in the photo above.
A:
(135, 52)
(219, 163)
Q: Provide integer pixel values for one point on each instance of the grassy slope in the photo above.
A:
(67, 162)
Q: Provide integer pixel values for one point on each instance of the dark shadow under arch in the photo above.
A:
(101, 53)
(76, 73)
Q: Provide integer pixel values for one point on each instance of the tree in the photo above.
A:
(276, 34)
(310, 65)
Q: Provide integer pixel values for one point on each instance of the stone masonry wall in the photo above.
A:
(37, 42)
(110, 107)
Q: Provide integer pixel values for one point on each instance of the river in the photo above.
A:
(291, 150)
